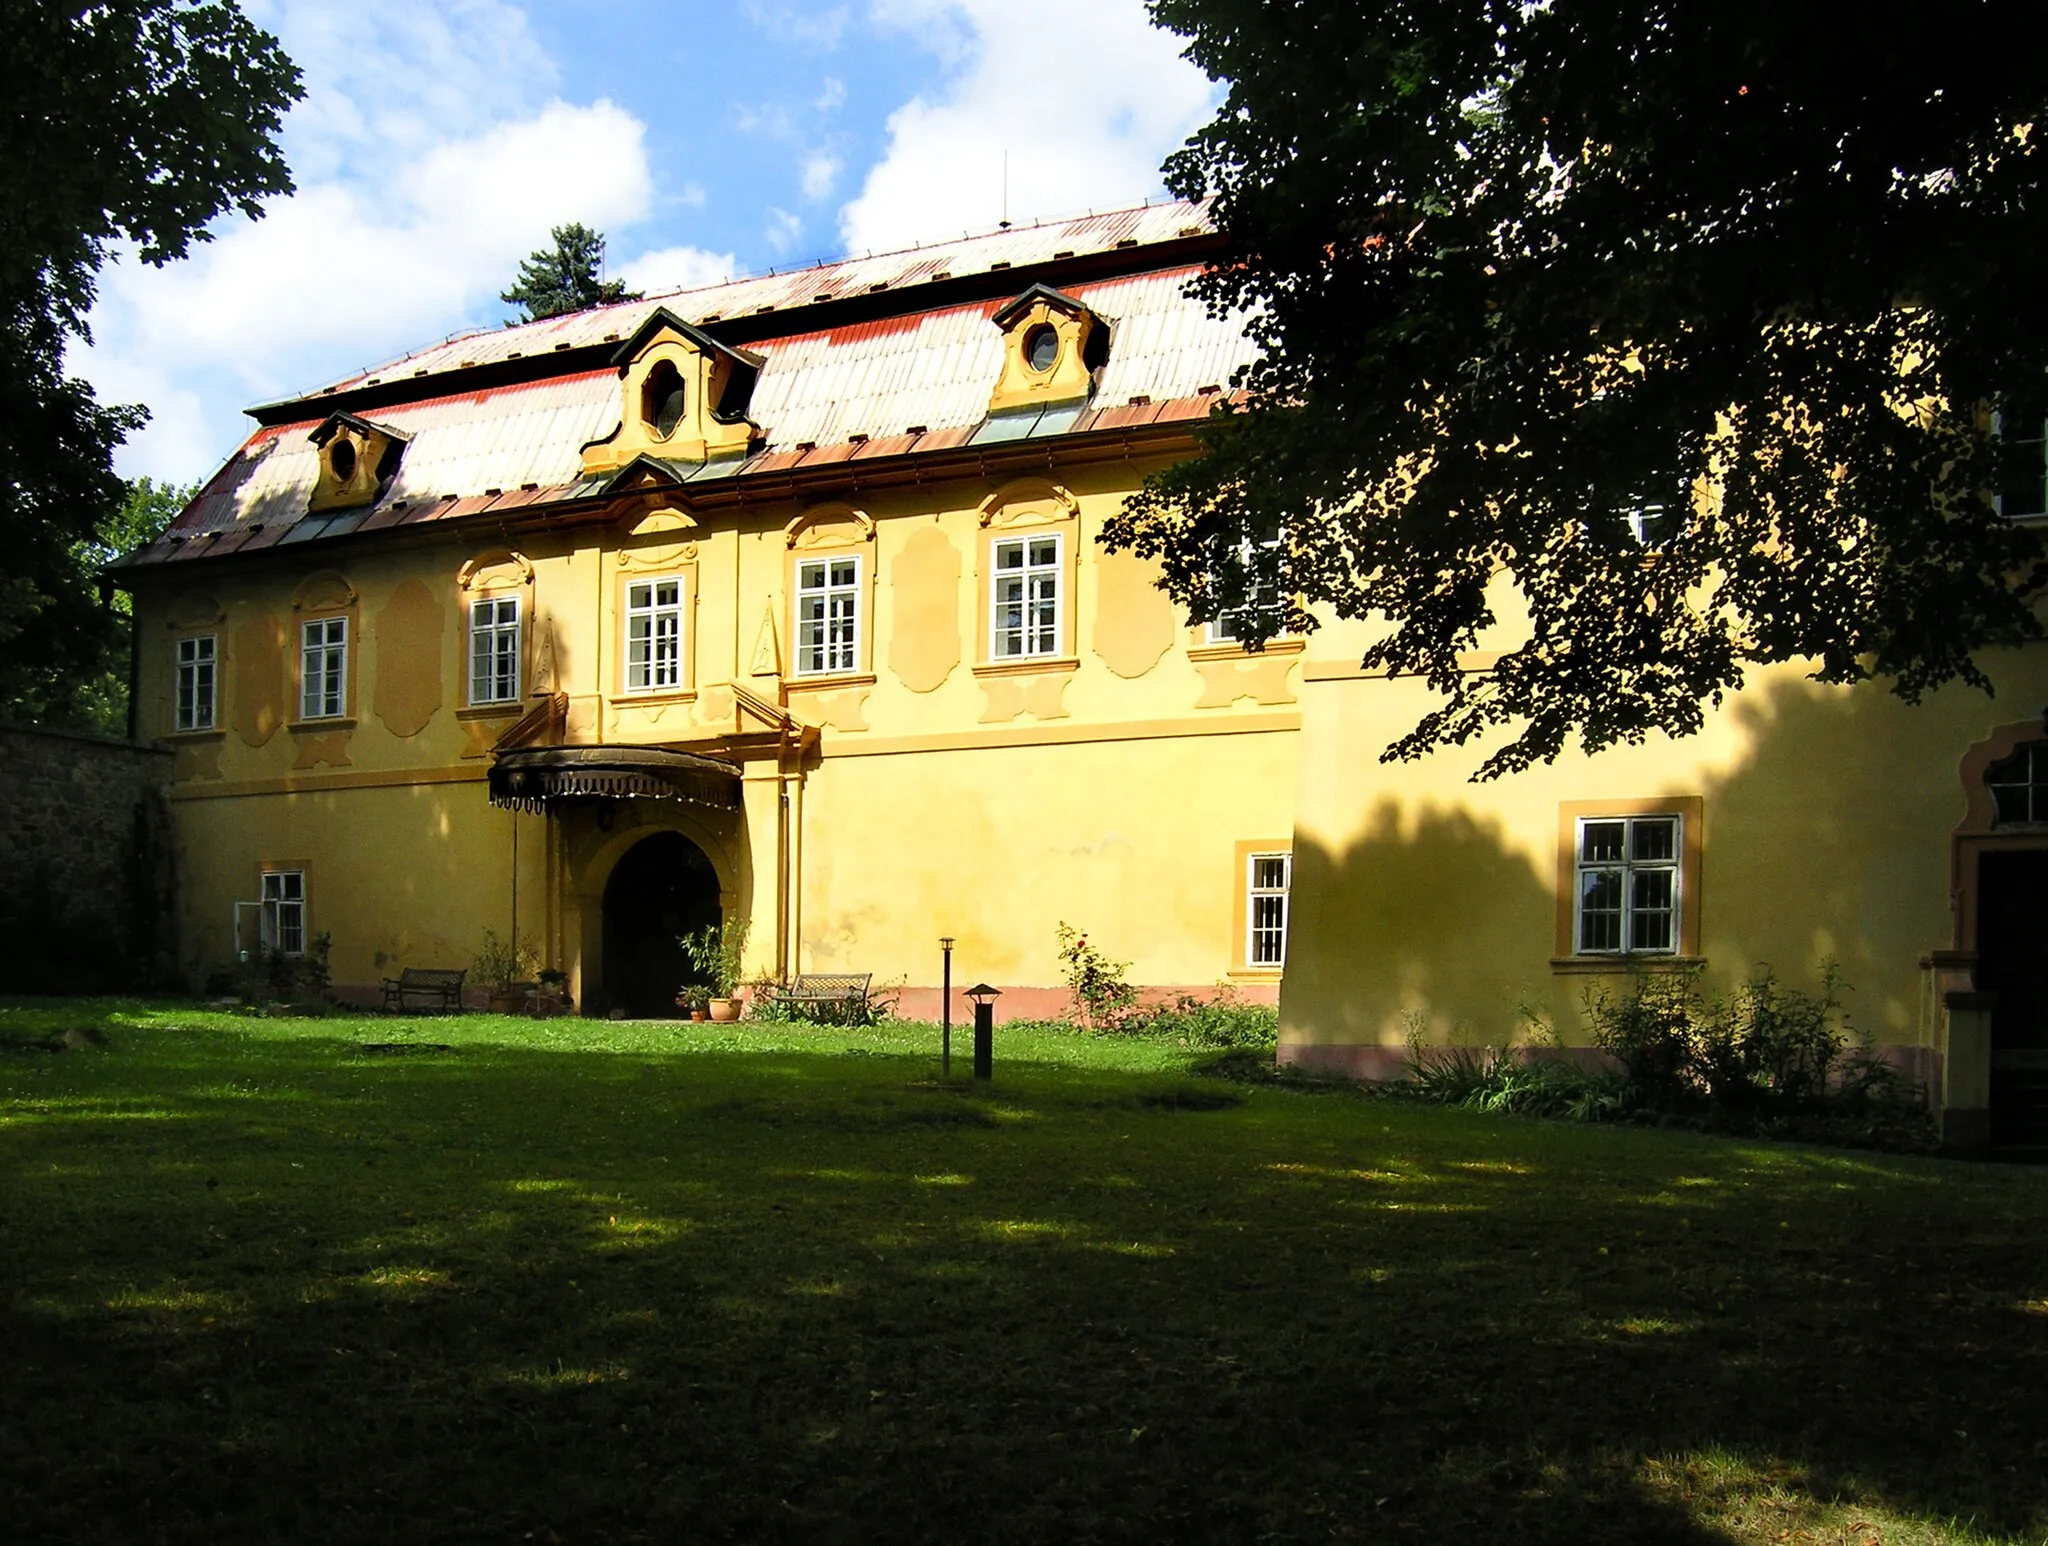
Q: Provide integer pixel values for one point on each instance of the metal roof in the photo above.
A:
(906, 384)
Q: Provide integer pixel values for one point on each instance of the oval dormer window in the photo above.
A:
(341, 456)
(661, 400)
(1041, 347)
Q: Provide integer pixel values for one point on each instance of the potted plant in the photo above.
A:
(717, 952)
(505, 969)
(552, 996)
(693, 1000)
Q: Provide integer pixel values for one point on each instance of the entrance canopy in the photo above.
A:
(532, 778)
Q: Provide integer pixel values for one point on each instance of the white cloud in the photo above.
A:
(818, 173)
(1086, 98)
(677, 268)
(817, 29)
(347, 272)
(783, 230)
(431, 156)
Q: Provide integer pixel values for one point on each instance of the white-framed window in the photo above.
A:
(196, 660)
(1627, 895)
(1267, 878)
(2022, 463)
(494, 650)
(1264, 598)
(323, 668)
(283, 915)
(827, 615)
(1025, 597)
(654, 635)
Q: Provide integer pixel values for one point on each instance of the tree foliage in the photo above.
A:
(86, 688)
(124, 121)
(553, 283)
(1755, 274)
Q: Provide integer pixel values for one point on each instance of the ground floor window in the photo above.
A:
(1626, 899)
(1267, 877)
(284, 912)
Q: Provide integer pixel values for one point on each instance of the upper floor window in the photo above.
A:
(654, 636)
(2022, 462)
(323, 668)
(1266, 885)
(196, 682)
(1025, 597)
(827, 615)
(494, 650)
(283, 912)
(2019, 787)
(1259, 562)
(1626, 899)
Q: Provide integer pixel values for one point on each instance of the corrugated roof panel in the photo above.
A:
(930, 372)
(745, 297)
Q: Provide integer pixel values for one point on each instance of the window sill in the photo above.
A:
(193, 737)
(1641, 961)
(322, 726)
(653, 700)
(511, 710)
(1199, 652)
(828, 679)
(1256, 973)
(1027, 665)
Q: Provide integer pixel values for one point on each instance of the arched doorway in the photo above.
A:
(662, 889)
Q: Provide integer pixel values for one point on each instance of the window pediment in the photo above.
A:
(683, 398)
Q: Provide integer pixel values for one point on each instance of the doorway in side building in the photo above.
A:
(2012, 961)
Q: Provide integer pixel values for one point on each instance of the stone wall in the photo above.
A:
(86, 863)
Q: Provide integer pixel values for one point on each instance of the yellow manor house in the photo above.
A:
(782, 599)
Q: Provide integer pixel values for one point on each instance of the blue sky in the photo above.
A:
(438, 142)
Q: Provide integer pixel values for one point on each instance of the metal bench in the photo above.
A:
(834, 995)
(439, 986)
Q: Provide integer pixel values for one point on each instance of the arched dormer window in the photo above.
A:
(662, 399)
(2019, 787)
(683, 398)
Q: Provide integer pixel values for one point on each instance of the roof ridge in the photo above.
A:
(514, 329)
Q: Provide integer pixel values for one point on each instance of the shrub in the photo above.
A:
(1103, 998)
(1767, 1058)
(1224, 1023)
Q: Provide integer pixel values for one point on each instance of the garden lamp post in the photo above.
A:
(984, 998)
(946, 1009)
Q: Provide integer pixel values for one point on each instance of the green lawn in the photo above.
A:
(571, 1281)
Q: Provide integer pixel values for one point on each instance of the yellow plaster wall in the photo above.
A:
(1096, 790)
(1421, 900)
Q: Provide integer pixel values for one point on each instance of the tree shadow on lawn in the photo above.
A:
(289, 1291)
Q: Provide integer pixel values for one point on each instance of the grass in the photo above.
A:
(578, 1282)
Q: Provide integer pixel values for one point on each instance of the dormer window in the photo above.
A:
(357, 461)
(683, 398)
(1054, 346)
(662, 399)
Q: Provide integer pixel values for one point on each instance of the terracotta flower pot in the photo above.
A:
(511, 1001)
(697, 1014)
(725, 1010)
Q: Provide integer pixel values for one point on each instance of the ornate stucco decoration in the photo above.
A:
(357, 460)
(1052, 347)
(682, 398)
